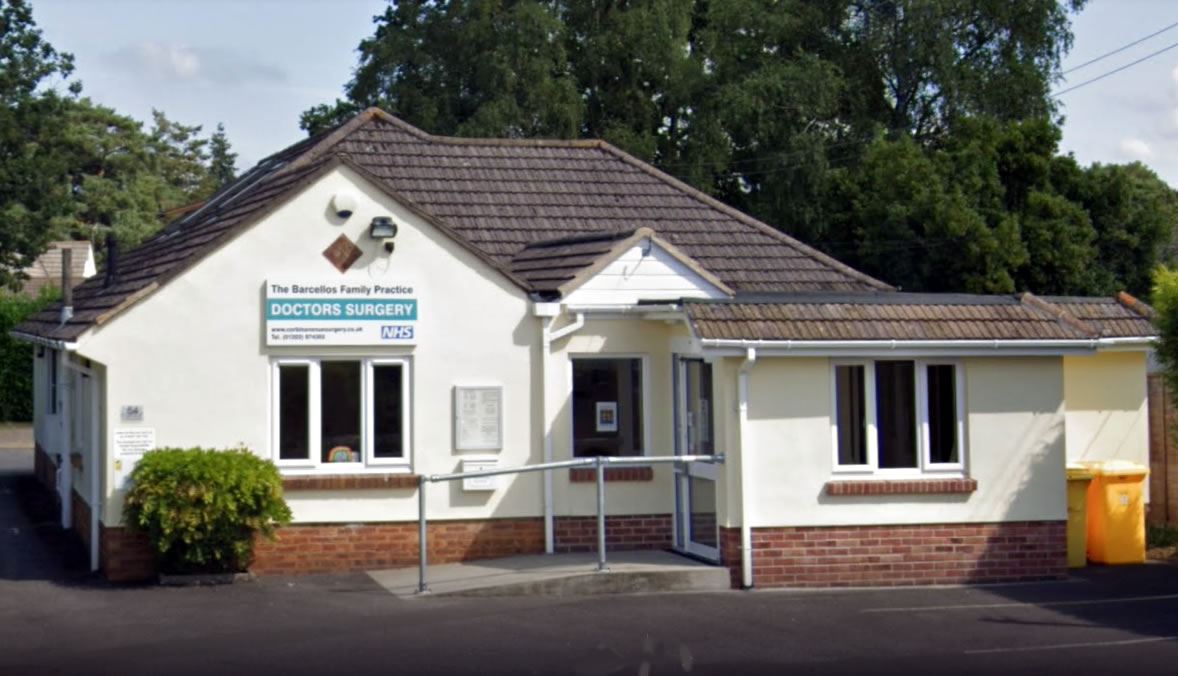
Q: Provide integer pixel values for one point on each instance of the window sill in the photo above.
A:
(348, 482)
(578, 475)
(902, 487)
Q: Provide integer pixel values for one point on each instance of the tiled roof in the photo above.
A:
(549, 264)
(893, 316)
(495, 196)
(1119, 316)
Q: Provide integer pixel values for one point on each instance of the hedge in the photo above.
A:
(16, 357)
(201, 509)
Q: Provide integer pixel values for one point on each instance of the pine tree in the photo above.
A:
(222, 161)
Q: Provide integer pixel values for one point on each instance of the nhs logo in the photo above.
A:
(396, 332)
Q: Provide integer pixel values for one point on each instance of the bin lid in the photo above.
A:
(1078, 472)
(1117, 468)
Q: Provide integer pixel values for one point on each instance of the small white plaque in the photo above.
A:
(134, 440)
(132, 413)
(478, 418)
(480, 483)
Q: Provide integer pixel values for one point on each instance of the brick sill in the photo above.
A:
(348, 482)
(902, 487)
(579, 475)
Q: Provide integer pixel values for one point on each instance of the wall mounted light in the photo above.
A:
(384, 229)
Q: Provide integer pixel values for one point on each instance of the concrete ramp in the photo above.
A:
(560, 575)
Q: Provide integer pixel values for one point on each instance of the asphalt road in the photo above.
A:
(55, 619)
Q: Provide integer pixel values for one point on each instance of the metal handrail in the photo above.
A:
(598, 462)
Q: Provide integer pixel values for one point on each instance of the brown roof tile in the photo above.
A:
(495, 196)
(904, 316)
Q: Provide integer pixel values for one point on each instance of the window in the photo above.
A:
(897, 416)
(607, 407)
(341, 414)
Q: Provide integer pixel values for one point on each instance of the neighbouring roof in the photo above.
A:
(45, 270)
(908, 316)
(496, 196)
(48, 264)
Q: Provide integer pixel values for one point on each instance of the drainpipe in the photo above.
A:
(746, 530)
(65, 482)
(548, 312)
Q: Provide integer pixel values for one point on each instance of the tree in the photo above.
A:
(222, 161)
(33, 188)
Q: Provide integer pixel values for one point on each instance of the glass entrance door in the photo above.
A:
(696, 530)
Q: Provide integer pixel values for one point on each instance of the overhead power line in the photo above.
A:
(1120, 49)
(1056, 95)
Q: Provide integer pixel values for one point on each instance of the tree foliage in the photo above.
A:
(916, 139)
(71, 168)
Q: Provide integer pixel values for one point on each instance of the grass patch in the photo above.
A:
(1161, 535)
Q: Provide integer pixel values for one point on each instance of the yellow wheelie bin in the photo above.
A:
(1116, 512)
(1079, 477)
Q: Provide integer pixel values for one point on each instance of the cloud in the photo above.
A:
(164, 62)
(1135, 149)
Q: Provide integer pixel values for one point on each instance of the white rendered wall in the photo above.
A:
(1014, 426)
(193, 353)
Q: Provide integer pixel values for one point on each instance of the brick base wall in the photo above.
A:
(124, 556)
(80, 518)
(336, 548)
(644, 531)
(44, 469)
(900, 555)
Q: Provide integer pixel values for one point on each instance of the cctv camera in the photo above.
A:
(388, 244)
(343, 204)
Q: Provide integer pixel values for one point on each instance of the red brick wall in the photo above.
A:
(645, 531)
(334, 548)
(44, 469)
(80, 511)
(123, 556)
(901, 555)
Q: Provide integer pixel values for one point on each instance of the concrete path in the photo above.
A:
(32, 544)
(559, 575)
(17, 436)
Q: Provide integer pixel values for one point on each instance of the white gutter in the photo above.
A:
(548, 313)
(46, 342)
(746, 529)
(839, 345)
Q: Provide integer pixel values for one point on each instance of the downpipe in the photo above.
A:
(746, 530)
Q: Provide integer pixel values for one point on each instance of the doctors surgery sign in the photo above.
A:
(340, 313)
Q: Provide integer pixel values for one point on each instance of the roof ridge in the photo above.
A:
(1132, 303)
(1060, 314)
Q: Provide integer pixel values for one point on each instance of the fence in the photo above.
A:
(1163, 453)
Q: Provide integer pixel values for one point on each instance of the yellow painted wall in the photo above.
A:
(1107, 413)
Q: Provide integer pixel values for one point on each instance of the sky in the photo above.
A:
(256, 65)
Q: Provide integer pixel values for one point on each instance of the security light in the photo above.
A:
(382, 227)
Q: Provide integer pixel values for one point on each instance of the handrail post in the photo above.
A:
(601, 567)
(422, 543)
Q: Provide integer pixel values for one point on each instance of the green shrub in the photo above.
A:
(201, 509)
(1161, 535)
(16, 357)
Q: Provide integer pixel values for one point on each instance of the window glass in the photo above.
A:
(895, 397)
(293, 406)
(607, 407)
(851, 395)
(942, 414)
(387, 411)
(52, 354)
(340, 421)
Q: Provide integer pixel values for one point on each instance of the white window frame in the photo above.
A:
(368, 461)
(645, 361)
(924, 466)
